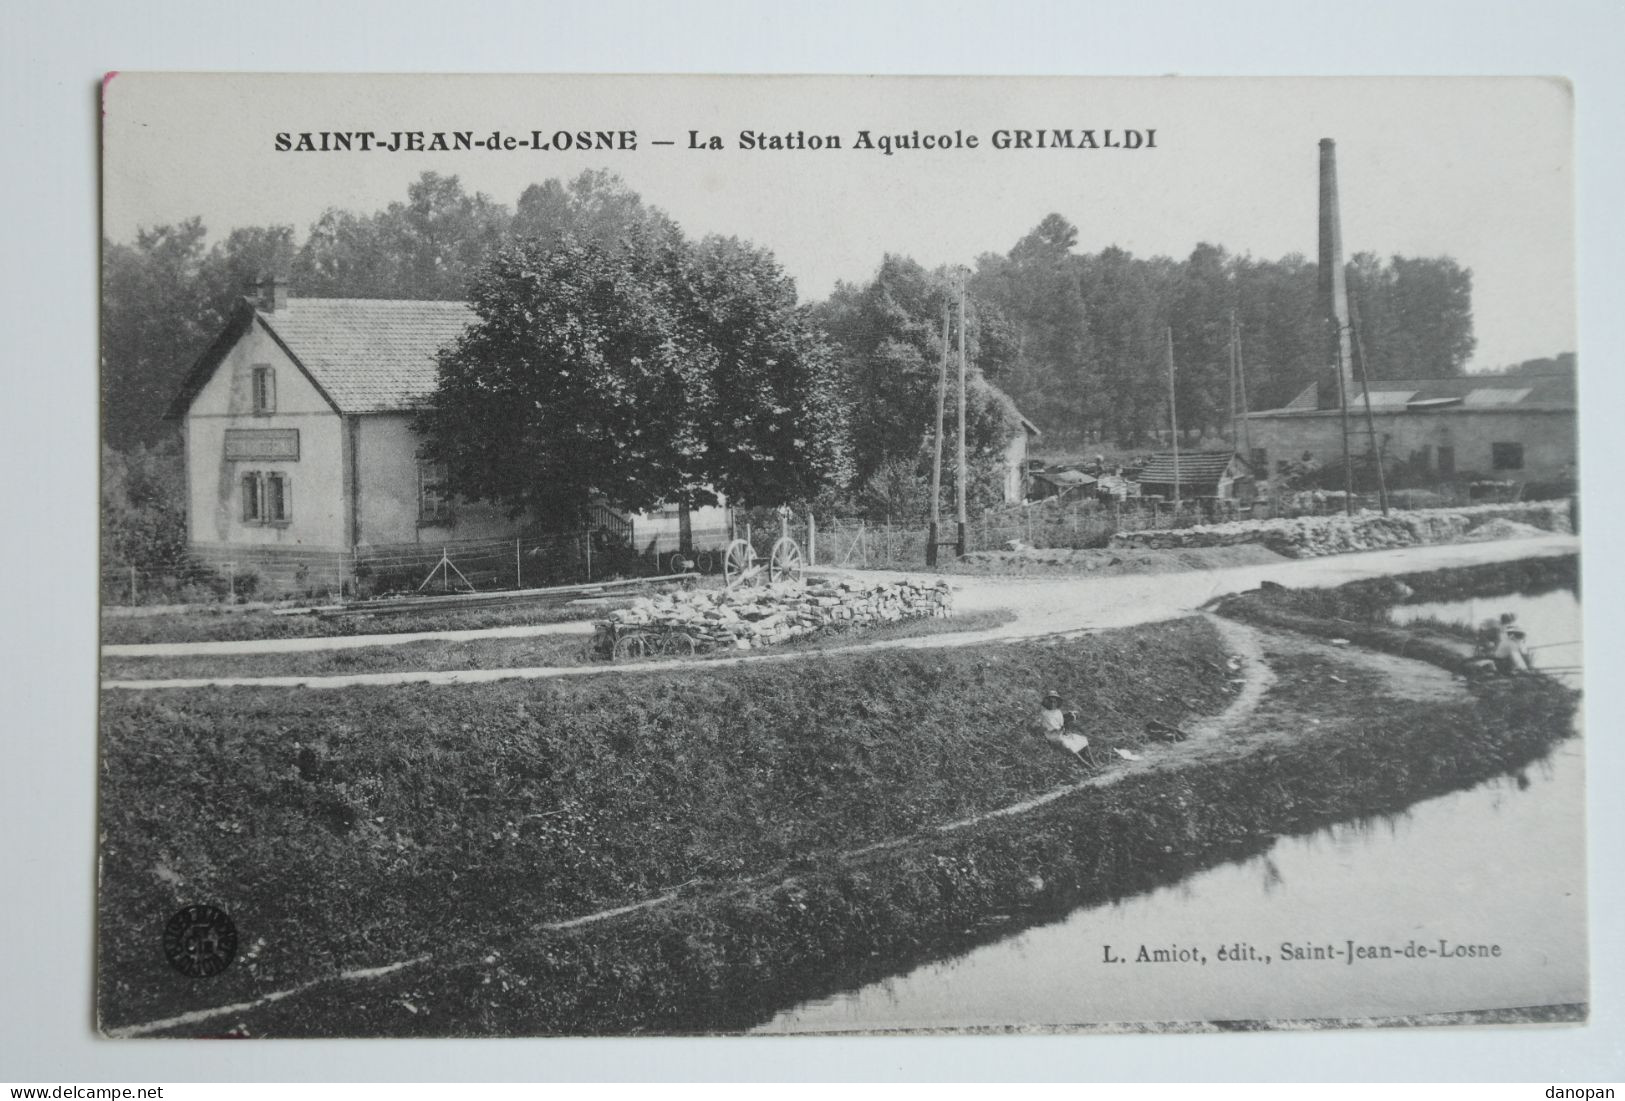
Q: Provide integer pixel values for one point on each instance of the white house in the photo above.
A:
(297, 428)
(299, 446)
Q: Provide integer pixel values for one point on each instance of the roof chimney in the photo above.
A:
(272, 296)
(1333, 297)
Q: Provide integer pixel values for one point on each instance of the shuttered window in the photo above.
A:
(251, 498)
(278, 499)
(267, 498)
(264, 387)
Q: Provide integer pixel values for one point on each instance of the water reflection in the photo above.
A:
(1498, 864)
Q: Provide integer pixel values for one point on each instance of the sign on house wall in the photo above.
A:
(262, 443)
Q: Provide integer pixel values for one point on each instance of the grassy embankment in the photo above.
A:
(363, 826)
(724, 958)
(809, 766)
(500, 653)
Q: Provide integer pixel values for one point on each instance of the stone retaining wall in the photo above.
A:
(749, 617)
(1316, 536)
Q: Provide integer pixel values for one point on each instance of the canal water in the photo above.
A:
(1496, 872)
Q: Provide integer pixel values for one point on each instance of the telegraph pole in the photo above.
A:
(1338, 336)
(1235, 436)
(959, 545)
(1173, 414)
(1334, 298)
(1365, 385)
(936, 457)
(1241, 381)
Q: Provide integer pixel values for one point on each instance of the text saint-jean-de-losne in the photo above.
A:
(887, 142)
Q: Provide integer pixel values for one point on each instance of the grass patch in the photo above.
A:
(362, 826)
(1432, 625)
(226, 625)
(496, 653)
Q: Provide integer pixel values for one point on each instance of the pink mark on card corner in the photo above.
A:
(107, 79)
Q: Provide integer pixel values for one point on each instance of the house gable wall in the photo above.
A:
(1015, 468)
(214, 482)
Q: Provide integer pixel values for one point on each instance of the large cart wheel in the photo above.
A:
(785, 563)
(634, 645)
(679, 644)
(739, 563)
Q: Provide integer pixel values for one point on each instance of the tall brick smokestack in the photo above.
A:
(1334, 294)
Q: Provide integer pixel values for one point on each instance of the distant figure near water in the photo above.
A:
(1503, 644)
(1511, 646)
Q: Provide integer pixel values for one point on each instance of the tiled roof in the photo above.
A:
(371, 355)
(1390, 397)
(1064, 477)
(1478, 391)
(1194, 467)
(1555, 391)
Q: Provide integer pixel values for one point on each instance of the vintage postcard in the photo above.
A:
(649, 555)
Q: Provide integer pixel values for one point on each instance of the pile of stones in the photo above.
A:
(749, 617)
(1316, 536)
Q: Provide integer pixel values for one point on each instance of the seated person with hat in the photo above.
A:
(1057, 727)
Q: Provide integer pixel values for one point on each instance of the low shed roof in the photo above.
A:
(1195, 467)
(1065, 477)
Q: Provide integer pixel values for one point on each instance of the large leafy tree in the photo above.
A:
(1282, 335)
(1416, 315)
(165, 297)
(1124, 299)
(155, 319)
(594, 206)
(646, 372)
(774, 426)
(1038, 288)
(889, 335)
(1199, 319)
(427, 247)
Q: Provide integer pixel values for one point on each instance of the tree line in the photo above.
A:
(1091, 331)
(167, 294)
(613, 354)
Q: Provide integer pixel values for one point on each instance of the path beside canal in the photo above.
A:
(1041, 607)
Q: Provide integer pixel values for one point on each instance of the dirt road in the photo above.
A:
(1047, 606)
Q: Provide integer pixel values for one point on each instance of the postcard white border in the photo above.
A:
(53, 55)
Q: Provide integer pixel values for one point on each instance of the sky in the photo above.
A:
(1478, 169)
